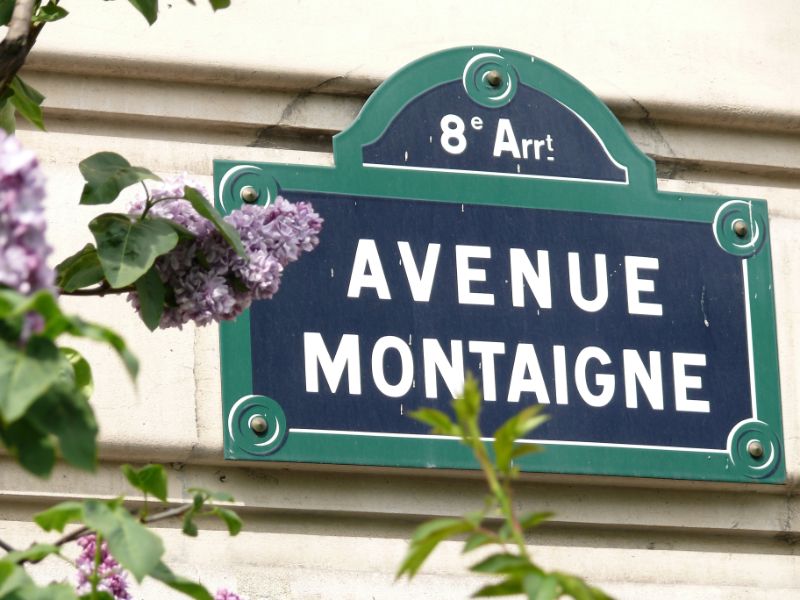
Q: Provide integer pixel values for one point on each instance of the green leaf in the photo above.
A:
(531, 520)
(514, 428)
(35, 553)
(12, 578)
(56, 517)
(79, 270)
(151, 479)
(136, 548)
(8, 119)
(65, 413)
(231, 519)
(218, 496)
(152, 294)
(163, 573)
(206, 210)
(6, 10)
(99, 333)
(476, 540)
(467, 406)
(189, 527)
(220, 4)
(97, 596)
(49, 12)
(27, 100)
(84, 383)
(537, 587)
(508, 587)
(183, 232)
(107, 174)
(425, 539)
(501, 563)
(574, 587)
(416, 555)
(437, 526)
(148, 8)
(25, 374)
(127, 249)
(439, 422)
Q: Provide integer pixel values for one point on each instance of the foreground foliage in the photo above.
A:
(497, 524)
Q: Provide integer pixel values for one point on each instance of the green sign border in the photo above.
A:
(639, 198)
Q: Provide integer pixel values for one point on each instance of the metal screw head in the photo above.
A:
(258, 424)
(740, 228)
(494, 78)
(249, 194)
(755, 449)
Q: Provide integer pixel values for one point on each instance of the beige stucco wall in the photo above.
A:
(711, 90)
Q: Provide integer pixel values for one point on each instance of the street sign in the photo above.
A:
(486, 213)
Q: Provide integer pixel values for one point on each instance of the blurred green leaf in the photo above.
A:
(136, 548)
(230, 518)
(220, 4)
(467, 406)
(194, 590)
(425, 539)
(56, 517)
(189, 527)
(25, 374)
(63, 411)
(507, 587)
(107, 174)
(148, 8)
(49, 12)
(531, 520)
(501, 563)
(537, 587)
(206, 209)
(151, 479)
(6, 10)
(515, 427)
(84, 382)
(476, 540)
(79, 270)
(27, 100)
(127, 248)
(8, 119)
(439, 422)
(152, 293)
(99, 333)
(35, 553)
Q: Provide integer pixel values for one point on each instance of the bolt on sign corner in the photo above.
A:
(487, 213)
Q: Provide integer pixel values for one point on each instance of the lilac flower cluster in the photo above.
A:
(210, 281)
(113, 578)
(224, 594)
(23, 249)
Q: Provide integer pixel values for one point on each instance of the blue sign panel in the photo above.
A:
(487, 214)
(626, 337)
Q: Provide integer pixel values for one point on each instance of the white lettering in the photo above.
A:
(420, 285)
(575, 287)
(347, 355)
(525, 361)
(684, 382)
(402, 387)
(465, 275)
(452, 371)
(367, 258)
(651, 381)
(522, 272)
(603, 380)
(636, 286)
(505, 140)
(488, 350)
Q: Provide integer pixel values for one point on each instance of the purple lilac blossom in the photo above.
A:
(224, 594)
(23, 248)
(210, 281)
(113, 578)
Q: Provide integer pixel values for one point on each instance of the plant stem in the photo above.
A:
(6, 547)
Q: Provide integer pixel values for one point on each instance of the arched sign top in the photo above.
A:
(492, 111)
